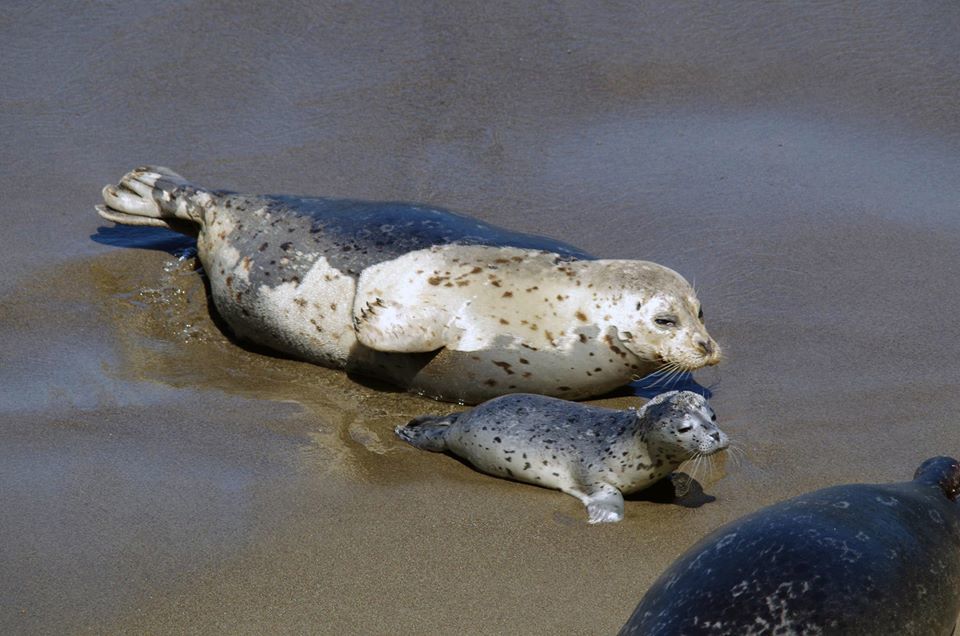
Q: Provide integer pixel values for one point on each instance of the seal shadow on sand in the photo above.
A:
(170, 332)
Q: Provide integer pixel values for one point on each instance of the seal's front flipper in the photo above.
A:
(604, 504)
(385, 325)
(156, 197)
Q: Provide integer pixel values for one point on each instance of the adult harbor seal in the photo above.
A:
(595, 454)
(432, 301)
(850, 560)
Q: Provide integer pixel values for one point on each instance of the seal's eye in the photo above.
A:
(713, 417)
(666, 321)
(700, 314)
(686, 428)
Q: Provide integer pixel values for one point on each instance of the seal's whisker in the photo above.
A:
(675, 369)
(663, 374)
(692, 465)
(736, 454)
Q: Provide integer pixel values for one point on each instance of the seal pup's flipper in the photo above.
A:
(154, 196)
(427, 431)
(604, 502)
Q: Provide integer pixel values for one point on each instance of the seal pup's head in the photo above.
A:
(682, 425)
(660, 318)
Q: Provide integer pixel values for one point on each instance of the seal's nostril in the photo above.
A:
(706, 346)
(715, 435)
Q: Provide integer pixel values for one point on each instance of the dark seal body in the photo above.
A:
(863, 560)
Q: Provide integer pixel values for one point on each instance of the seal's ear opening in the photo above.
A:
(942, 471)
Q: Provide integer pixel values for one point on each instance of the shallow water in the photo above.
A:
(799, 164)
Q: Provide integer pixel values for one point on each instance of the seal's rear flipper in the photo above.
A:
(156, 197)
(426, 432)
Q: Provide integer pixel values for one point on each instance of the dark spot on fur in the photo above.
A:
(491, 383)
(506, 366)
(508, 294)
(286, 246)
(263, 247)
(497, 439)
(581, 317)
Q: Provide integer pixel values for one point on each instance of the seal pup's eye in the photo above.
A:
(686, 428)
(666, 321)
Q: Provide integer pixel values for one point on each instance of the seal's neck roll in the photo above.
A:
(943, 472)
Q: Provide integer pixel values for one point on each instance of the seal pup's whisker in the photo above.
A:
(737, 453)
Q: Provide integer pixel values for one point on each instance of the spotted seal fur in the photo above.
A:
(595, 454)
(853, 560)
(435, 302)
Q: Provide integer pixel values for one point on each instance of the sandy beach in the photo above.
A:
(798, 164)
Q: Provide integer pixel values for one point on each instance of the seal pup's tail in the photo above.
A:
(427, 431)
(157, 197)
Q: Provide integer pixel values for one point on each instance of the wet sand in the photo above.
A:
(799, 164)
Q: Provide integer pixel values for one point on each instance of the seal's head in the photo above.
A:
(943, 472)
(684, 420)
(662, 320)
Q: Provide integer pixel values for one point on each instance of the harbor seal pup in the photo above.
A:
(851, 560)
(435, 302)
(595, 454)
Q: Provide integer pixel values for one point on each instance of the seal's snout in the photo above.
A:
(711, 352)
(721, 441)
(706, 347)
